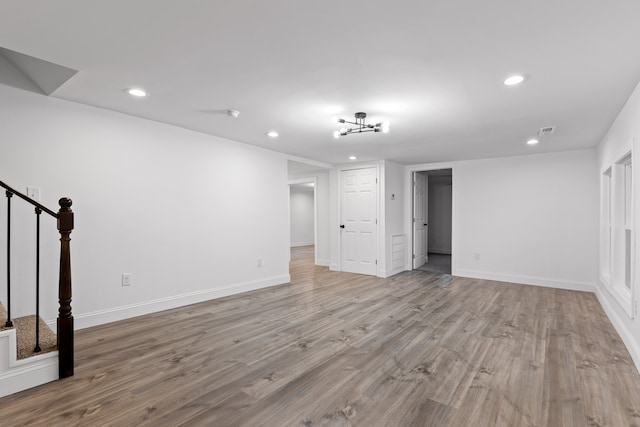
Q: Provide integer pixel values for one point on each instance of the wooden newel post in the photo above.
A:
(65, 319)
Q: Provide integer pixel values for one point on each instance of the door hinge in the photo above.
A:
(376, 180)
(376, 262)
(376, 221)
(414, 256)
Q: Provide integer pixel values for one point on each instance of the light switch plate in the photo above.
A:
(34, 193)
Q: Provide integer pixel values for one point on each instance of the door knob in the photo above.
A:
(341, 225)
(424, 225)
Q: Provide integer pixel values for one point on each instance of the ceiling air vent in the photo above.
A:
(546, 131)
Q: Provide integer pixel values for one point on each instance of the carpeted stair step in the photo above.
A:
(3, 317)
(26, 334)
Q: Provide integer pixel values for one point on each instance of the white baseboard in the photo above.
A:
(17, 375)
(334, 267)
(527, 280)
(627, 337)
(323, 262)
(384, 273)
(295, 245)
(100, 317)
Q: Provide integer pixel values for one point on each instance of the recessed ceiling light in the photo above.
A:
(272, 134)
(514, 80)
(136, 92)
(353, 158)
(532, 141)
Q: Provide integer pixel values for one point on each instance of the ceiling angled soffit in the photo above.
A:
(37, 75)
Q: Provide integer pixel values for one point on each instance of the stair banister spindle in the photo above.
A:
(65, 318)
(37, 348)
(9, 323)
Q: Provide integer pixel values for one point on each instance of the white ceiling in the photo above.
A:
(434, 69)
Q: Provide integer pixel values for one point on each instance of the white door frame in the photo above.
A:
(424, 221)
(339, 210)
(409, 210)
(315, 212)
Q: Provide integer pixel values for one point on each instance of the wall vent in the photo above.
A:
(546, 131)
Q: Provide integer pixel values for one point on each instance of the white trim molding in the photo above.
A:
(569, 285)
(324, 262)
(627, 337)
(299, 244)
(408, 176)
(114, 314)
(17, 375)
(384, 273)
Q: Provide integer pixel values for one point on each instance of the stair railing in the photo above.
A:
(64, 218)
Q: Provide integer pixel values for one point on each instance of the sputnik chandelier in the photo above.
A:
(360, 126)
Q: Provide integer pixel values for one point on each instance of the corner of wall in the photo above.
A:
(388, 273)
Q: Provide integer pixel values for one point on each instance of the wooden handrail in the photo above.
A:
(65, 318)
(29, 200)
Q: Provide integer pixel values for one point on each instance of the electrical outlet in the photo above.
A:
(259, 262)
(126, 279)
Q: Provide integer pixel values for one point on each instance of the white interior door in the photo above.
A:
(359, 225)
(420, 215)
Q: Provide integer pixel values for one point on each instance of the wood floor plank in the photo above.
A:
(562, 405)
(337, 349)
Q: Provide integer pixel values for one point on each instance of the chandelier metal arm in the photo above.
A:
(360, 130)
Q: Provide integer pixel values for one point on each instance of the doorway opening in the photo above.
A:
(302, 216)
(432, 205)
(301, 176)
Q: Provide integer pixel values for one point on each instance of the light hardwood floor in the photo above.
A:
(337, 349)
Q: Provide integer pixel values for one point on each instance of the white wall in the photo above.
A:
(301, 217)
(622, 137)
(186, 213)
(528, 219)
